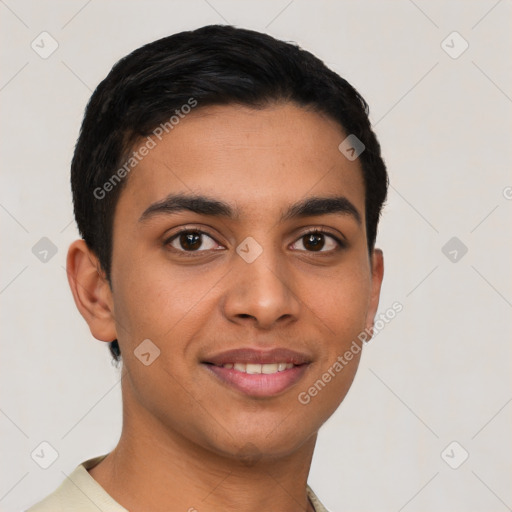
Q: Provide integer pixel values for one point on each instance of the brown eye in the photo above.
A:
(318, 241)
(191, 241)
(314, 241)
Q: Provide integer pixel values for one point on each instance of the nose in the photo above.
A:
(261, 293)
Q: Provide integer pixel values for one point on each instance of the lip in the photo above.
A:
(251, 355)
(258, 385)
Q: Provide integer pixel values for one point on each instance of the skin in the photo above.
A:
(188, 440)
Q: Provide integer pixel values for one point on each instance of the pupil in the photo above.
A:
(314, 242)
(190, 241)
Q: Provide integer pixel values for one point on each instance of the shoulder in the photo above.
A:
(315, 501)
(79, 492)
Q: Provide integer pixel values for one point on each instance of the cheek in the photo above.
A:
(153, 300)
(340, 304)
(339, 300)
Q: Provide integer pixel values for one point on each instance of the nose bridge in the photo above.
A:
(260, 286)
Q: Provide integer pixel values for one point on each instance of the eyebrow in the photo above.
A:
(203, 205)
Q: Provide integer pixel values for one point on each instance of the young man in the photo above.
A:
(227, 187)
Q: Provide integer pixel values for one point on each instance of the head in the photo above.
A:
(228, 131)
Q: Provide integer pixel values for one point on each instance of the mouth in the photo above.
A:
(258, 373)
(256, 368)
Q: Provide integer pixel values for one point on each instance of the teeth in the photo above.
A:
(269, 368)
(253, 368)
(240, 367)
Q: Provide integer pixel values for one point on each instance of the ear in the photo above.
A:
(91, 291)
(377, 267)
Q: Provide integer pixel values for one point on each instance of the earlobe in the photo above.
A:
(91, 291)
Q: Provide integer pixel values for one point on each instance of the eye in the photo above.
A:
(318, 241)
(191, 241)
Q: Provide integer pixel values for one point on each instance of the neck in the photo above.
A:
(155, 469)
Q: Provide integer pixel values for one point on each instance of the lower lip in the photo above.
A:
(259, 384)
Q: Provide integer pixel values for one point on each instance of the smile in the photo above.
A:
(255, 372)
(254, 368)
(258, 380)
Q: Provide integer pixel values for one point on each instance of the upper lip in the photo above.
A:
(258, 356)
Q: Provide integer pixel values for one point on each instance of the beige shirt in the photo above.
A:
(81, 493)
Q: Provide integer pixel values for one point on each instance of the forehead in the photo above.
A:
(246, 157)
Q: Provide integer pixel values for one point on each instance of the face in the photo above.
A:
(268, 266)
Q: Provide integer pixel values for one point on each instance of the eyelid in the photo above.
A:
(188, 229)
(322, 230)
(338, 237)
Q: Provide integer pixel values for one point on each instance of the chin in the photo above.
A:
(253, 445)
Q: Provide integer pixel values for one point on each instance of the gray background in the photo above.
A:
(440, 370)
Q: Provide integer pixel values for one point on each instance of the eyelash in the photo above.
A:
(312, 231)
